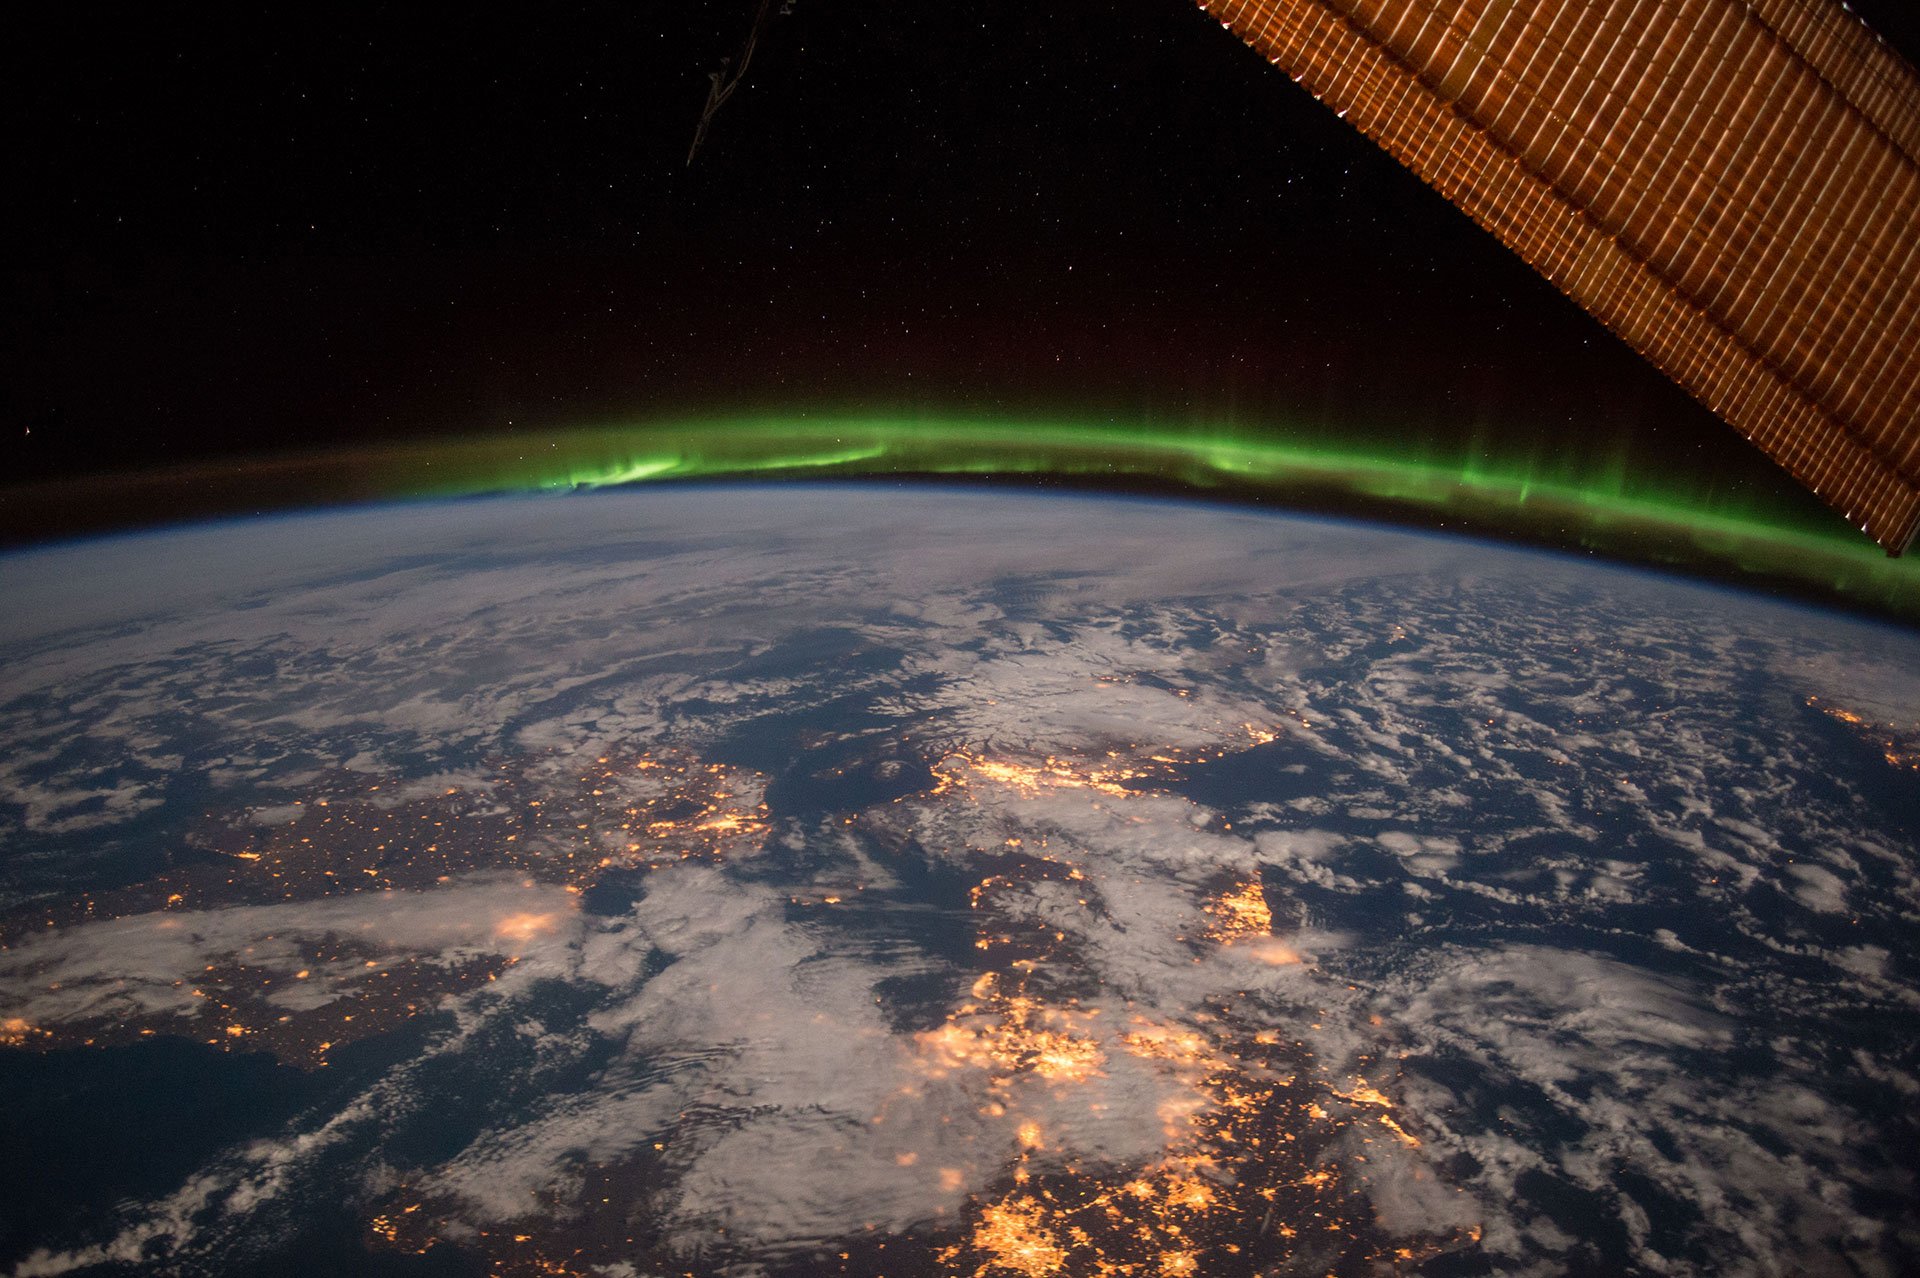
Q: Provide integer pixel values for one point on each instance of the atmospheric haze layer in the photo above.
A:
(1671, 520)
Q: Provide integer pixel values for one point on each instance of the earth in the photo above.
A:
(819, 879)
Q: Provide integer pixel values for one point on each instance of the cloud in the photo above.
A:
(1818, 888)
(144, 967)
(1575, 777)
(1642, 1071)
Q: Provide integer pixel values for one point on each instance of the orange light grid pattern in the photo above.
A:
(1732, 186)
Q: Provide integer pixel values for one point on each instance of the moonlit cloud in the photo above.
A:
(145, 965)
(1543, 871)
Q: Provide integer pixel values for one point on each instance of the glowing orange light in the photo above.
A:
(1014, 1235)
(1240, 915)
(1274, 954)
(525, 926)
(1030, 779)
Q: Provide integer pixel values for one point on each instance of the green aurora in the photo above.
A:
(1771, 539)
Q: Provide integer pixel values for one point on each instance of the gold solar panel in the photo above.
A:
(1732, 186)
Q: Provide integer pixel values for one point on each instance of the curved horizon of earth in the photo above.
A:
(829, 879)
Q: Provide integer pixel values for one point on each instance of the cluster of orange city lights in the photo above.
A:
(16, 1031)
(1117, 772)
(1264, 1154)
(1011, 1033)
(1258, 1155)
(1900, 747)
(1242, 918)
(1256, 1170)
(553, 824)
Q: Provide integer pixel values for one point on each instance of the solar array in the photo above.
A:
(1732, 186)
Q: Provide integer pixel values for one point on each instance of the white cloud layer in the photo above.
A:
(1563, 858)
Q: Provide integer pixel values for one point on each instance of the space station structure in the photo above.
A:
(1731, 186)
